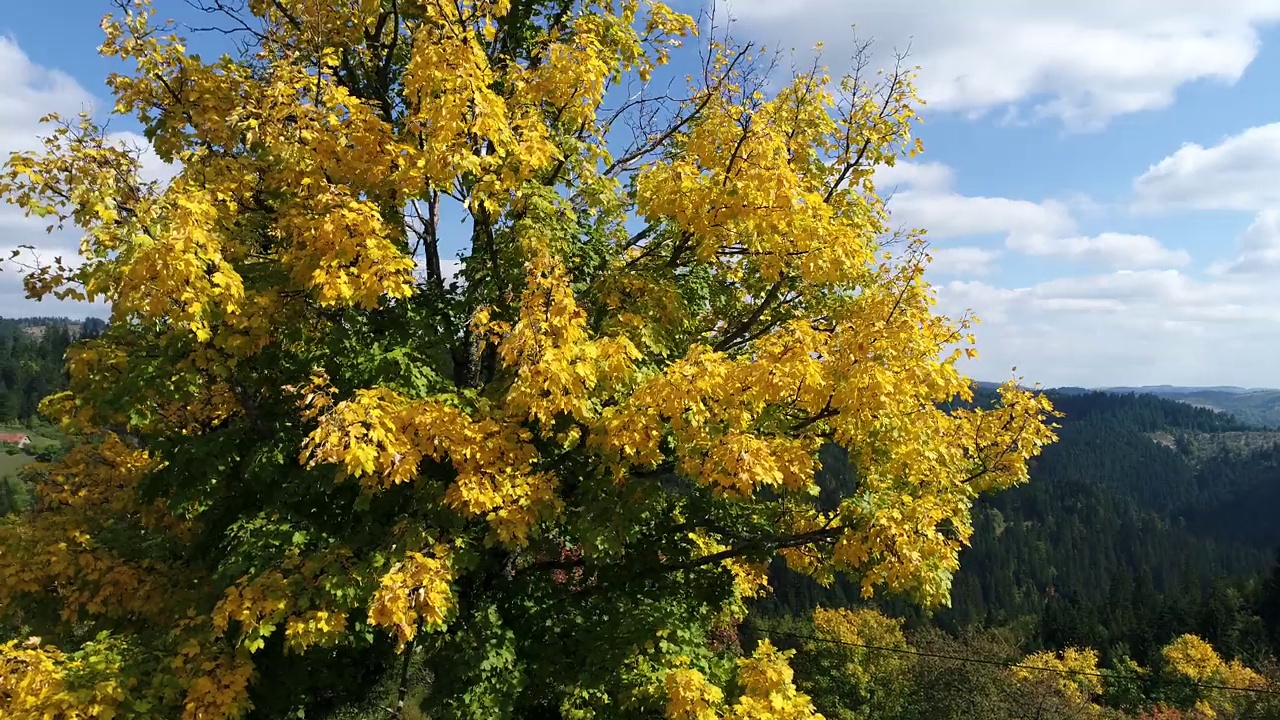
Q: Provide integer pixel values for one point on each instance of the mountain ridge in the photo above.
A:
(1259, 407)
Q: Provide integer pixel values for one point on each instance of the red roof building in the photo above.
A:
(15, 439)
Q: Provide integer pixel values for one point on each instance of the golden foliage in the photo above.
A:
(768, 692)
(416, 594)
(647, 344)
(1074, 670)
(1191, 658)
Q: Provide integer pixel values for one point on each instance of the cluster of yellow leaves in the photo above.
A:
(769, 692)
(217, 688)
(314, 627)
(920, 484)
(415, 595)
(575, 65)
(1074, 670)
(382, 438)
(842, 629)
(59, 550)
(711, 404)
(36, 684)
(40, 682)
(178, 272)
(690, 696)
(1193, 658)
(341, 250)
(333, 240)
(58, 554)
(749, 183)
(451, 85)
(559, 367)
(738, 424)
(309, 595)
(1190, 657)
(457, 95)
(750, 579)
(257, 606)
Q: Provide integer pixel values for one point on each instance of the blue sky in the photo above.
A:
(1101, 180)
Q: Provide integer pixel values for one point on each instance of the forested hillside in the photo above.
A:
(1148, 519)
(1257, 407)
(32, 354)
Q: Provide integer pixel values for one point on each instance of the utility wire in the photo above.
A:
(1001, 663)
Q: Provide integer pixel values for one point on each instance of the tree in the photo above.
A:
(304, 447)
(1210, 684)
(849, 667)
(1073, 674)
(945, 687)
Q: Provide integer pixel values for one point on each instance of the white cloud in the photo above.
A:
(1082, 63)
(1123, 328)
(920, 195)
(150, 166)
(1240, 173)
(449, 268)
(915, 175)
(1109, 249)
(962, 261)
(1259, 249)
(950, 214)
(29, 91)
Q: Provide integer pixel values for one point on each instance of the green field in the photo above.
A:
(10, 464)
(15, 494)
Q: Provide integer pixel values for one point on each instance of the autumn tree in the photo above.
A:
(1202, 680)
(848, 664)
(309, 456)
(1060, 684)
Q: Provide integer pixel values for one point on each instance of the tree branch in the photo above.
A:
(770, 297)
(677, 126)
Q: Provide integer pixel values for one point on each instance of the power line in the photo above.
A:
(1001, 663)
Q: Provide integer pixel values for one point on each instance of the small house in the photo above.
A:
(21, 441)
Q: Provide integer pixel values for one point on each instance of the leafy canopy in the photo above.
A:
(304, 446)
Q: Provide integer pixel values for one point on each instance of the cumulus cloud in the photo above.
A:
(1259, 249)
(1080, 63)
(29, 91)
(914, 175)
(1122, 328)
(920, 195)
(962, 261)
(1109, 249)
(1240, 173)
(150, 166)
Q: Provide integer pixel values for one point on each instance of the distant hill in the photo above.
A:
(1151, 517)
(1255, 406)
(1179, 390)
(1259, 407)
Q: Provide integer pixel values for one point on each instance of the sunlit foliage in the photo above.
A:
(302, 443)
